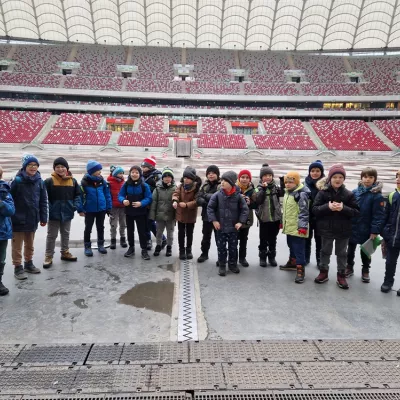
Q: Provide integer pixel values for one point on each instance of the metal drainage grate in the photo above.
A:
(8, 353)
(383, 374)
(187, 317)
(150, 396)
(102, 354)
(234, 395)
(77, 396)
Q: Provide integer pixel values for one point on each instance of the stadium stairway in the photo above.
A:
(199, 126)
(45, 130)
(261, 129)
(314, 137)
(382, 136)
(136, 125)
(250, 142)
(229, 127)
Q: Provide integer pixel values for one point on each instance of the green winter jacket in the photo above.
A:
(161, 208)
(296, 211)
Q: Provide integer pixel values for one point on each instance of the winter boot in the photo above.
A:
(19, 272)
(271, 260)
(130, 252)
(365, 275)
(122, 242)
(349, 271)
(243, 262)
(3, 289)
(222, 269)
(157, 251)
(100, 247)
(29, 267)
(189, 254)
(145, 255)
(163, 243)
(88, 249)
(322, 277)
(67, 256)
(263, 258)
(234, 268)
(203, 257)
(300, 274)
(149, 245)
(182, 254)
(341, 280)
(168, 252)
(387, 286)
(113, 244)
(48, 262)
(290, 265)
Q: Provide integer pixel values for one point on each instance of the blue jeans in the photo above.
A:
(297, 247)
(391, 263)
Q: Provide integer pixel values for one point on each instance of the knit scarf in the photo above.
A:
(242, 188)
(188, 186)
(230, 192)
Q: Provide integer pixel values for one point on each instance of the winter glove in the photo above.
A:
(302, 231)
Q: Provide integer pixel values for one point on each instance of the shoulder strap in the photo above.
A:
(391, 197)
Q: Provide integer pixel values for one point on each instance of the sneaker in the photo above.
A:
(130, 252)
(243, 262)
(122, 242)
(386, 287)
(341, 281)
(145, 255)
(222, 270)
(322, 277)
(19, 273)
(365, 276)
(149, 245)
(29, 267)
(203, 257)
(157, 251)
(234, 268)
(67, 256)
(349, 271)
(163, 243)
(48, 261)
(289, 266)
(113, 244)
(168, 252)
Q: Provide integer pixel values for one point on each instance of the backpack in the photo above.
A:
(390, 198)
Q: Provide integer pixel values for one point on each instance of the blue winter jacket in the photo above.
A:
(7, 209)
(391, 224)
(135, 191)
(30, 201)
(95, 194)
(372, 212)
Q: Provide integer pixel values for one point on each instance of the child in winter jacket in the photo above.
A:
(249, 193)
(135, 195)
(162, 211)
(30, 200)
(295, 221)
(6, 211)
(391, 235)
(184, 202)
(269, 214)
(210, 186)
(228, 211)
(368, 224)
(117, 215)
(334, 207)
(96, 203)
(64, 197)
(315, 173)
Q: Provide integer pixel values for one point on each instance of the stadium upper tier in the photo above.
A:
(197, 71)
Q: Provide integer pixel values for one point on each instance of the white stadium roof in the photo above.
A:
(226, 24)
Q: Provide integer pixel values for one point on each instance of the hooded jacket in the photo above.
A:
(64, 197)
(95, 194)
(187, 215)
(372, 212)
(161, 207)
(269, 205)
(205, 194)
(7, 209)
(334, 224)
(30, 201)
(115, 187)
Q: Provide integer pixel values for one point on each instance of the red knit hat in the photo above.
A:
(149, 162)
(244, 172)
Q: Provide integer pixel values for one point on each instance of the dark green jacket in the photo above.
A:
(161, 208)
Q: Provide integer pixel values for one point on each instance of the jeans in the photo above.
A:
(391, 263)
(170, 226)
(243, 236)
(207, 231)
(53, 227)
(90, 217)
(351, 253)
(297, 247)
(318, 243)
(268, 234)
(185, 230)
(222, 240)
(340, 252)
(141, 225)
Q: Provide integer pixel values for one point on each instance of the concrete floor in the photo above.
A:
(113, 299)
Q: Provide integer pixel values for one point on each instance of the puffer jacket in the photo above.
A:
(391, 224)
(95, 194)
(115, 185)
(372, 212)
(64, 197)
(296, 211)
(7, 210)
(251, 193)
(187, 215)
(228, 210)
(30, 201)
(269, 205)
(152, 178)
(161, 207)
(204, 196)
(135, 191)
(312, 185)
(334, 224)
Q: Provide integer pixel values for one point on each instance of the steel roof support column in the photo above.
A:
(222, 23)
(300, 21)
(36, 20)
(145, 21)
(247, 24)
(396, 4)
(119, 22)
(197, 23)
(65, 19)
(273, 25)
(358, 23)
(92, 17)
(327, 24)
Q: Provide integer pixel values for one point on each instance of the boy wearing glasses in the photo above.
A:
(30, 199)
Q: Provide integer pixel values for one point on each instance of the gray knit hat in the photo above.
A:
(230, 176)
(266, 170)
(190, 173)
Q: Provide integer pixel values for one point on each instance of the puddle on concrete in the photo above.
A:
(155, 296)
(81, 303)
(168, 267)
(59, 293)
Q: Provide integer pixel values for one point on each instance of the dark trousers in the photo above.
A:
(141, 225)
(243, 236)
(340, 252)
(268, 233)
(222, 240)
(351, 254)
(207, 231)
(90, 217)
(3, 251)
(185, 230)
(318, 243)
(392, 255)
(152, 228)
(297, 247)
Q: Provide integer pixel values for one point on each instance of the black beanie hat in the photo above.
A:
(60, 161)
(266, 170)
(213, 168)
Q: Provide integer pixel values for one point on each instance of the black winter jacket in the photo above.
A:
(334, 224)
(205, 194)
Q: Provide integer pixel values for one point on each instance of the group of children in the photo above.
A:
(320, 208)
